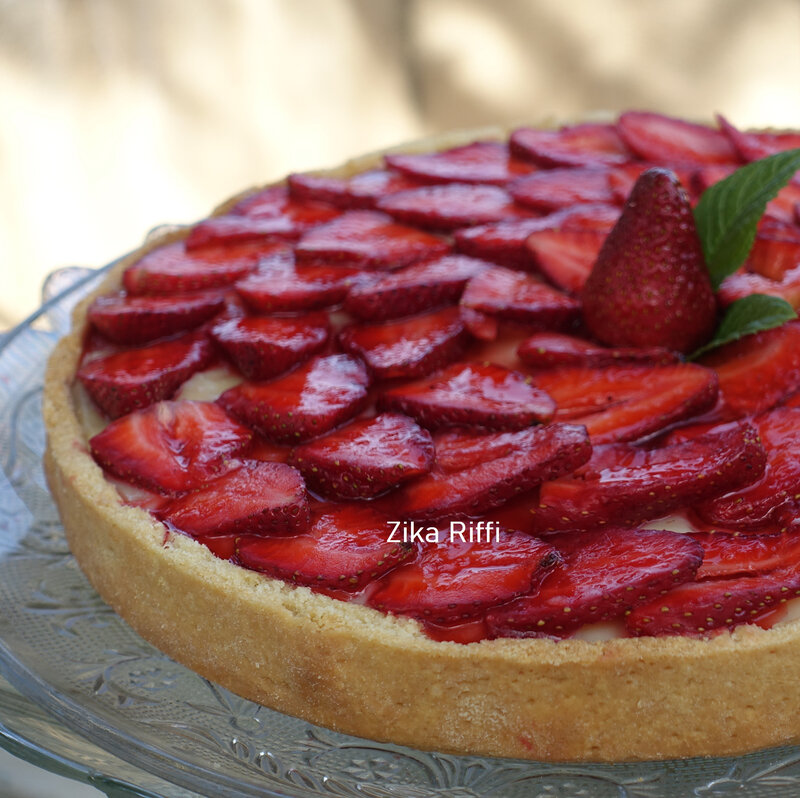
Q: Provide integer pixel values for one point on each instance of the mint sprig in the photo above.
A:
(728, 213)
(746, 316)
(727, 218)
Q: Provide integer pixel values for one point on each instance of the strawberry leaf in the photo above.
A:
(729, 211)
(749, 315)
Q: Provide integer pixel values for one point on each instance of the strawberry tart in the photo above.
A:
(488, 444)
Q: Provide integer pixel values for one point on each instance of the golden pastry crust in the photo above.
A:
(356, 670)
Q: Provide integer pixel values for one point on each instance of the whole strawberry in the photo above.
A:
(650, 285)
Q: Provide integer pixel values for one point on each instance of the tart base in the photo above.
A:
(358, 671)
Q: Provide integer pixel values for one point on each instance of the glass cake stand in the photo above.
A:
(88, 698)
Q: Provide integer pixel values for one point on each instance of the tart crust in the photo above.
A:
(359, 671)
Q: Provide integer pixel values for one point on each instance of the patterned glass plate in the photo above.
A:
(62, 647)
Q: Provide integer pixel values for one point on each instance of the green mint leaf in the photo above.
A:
(729, 211)
(749, 315)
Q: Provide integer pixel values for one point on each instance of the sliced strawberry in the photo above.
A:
(289, 216)
(256, 499)
(480, 325)
(408, 348)
(370, 240)
(565, 256)
(602, 576)
(774, 254)
(307, 402)
(666, 140)
(774, 495)
(451, 205)
(457, 449)
(288, 224)
(222, 546)
(696, 609)
(514, 296)
(344, 547)
(171, 447)
(414, 289)
(319, 188)
(554, 350)
(138, 319)
(136, 378)
(707, 176)
(752, 146)
(281, 286)
(472, 395)
(365, 458)
(171, 269)
(534, 456)
(265, 346)
(757, 371)
(728, 555)
(624, 484)
(589, 144)
(782, 207)
(625, 403)
(360, 191)
(452, 581)
(741, 284)
(479, 162)
(504, 242)
(552, 189)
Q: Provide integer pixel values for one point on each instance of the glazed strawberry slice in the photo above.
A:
(170, 447)
(290, 216)
(775, 252)
(752, 146)
(360, 191)
(307, 402)
(666, 140)
(408, 348)
(472, 395)
(136, 378)
(546, 350)
(170, 269)
(453, 581)
(479, 162)
(255, 499)
(625, 484)
(137, 319)
(742, 284)
(697, 609)
(281, 286)
(533, 456)
(565, 256)
(728, 555)
(628, 402)
(368, 239)
(287, 225)
(414, 289)
(552, 189)
(451, 205)
(265, 346)
(345, 547)
(602, 576)
(757, 371)
(774, 496)
(588, 144)
(504, 242)
(365, 458)
(518, 297)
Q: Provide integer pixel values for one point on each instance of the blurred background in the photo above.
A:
(119, 115)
